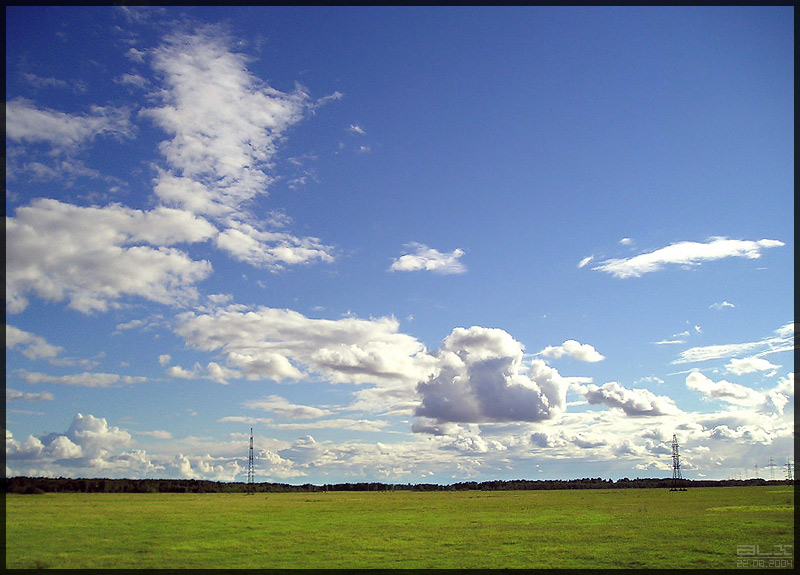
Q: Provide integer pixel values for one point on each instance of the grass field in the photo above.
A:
(622, 528)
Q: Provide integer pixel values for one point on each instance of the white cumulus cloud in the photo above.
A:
(750, 365)
(280, 344)
(482, 378)
(423, 258)
(574, 349)
(94, 256)
(634, 402)
(724, 390)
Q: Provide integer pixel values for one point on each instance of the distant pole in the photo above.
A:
(771, 470)
(789, 470)
(250, 470)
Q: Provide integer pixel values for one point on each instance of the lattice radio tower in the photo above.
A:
(676, 465)
(250, 470)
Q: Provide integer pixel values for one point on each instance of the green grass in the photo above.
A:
(614, 528)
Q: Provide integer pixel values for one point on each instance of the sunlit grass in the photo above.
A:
(624, 528)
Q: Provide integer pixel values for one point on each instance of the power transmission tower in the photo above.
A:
(789, 470)
(771, 470)
(250, 470)
(676, 466)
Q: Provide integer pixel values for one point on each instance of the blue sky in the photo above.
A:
(402, 244)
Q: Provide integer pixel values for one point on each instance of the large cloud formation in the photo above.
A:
(225, 126)
(482, 378)
(478, 375)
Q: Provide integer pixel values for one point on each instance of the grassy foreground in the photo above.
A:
(618, 528)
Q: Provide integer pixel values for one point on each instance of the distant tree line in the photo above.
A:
(34, 485)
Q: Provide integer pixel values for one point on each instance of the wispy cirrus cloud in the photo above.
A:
(25, 122)
(782, 341)
(86, 379)
(43, 144)
(685, 254)
(49, 82)
(281, 406)
(13, 394)
(30, 345)
(423, 258)
(338, 423)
